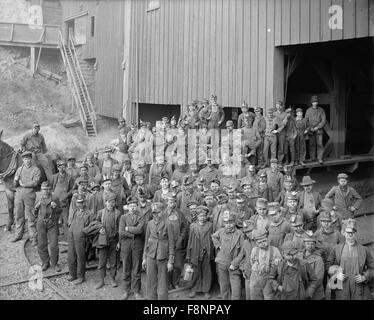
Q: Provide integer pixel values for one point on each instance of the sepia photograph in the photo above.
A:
(200, 151)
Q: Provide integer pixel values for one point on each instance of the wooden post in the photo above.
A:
(37, 61)
(278, 75)
(338, 107)
(32, 60)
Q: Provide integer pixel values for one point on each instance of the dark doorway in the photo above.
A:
(153, 112)
(340, 73)
(70, 25)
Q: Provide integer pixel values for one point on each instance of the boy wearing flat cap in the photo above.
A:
(228, 242)
(200, 252)
(297, 233)
(313, 257)
(109, 218)
(263, 258)
(292, 279)
(245, 113)
(356, 263)
(262, 189)
(218, 211)
(278, 227)
(274, 178)
(243, 260)
(158, 254)
(345, 197)
(327, 238)
(179, 226)
(243, 212)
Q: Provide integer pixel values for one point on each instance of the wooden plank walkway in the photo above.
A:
(337, 162)
(21, 34)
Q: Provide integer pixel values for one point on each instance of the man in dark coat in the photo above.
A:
(355, 266)
(79, 219)
(47, 210)
(243, 260)
(109, 217)
(312, 257)
(293, 279)
(180, 229)
(310, 202)
(263, 258)
(158, 255)
(277, 227)
(200, 253)
(62, 188)
(228, 242)
(316, 119)
(131, 235)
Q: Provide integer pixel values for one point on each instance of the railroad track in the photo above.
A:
(27, 247)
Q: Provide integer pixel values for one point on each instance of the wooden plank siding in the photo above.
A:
(189, 49)
(52, 12)
(195, 48)
(109, 74)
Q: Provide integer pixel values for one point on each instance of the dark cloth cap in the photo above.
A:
(314, 98)
(202, 209)
(111, 196)
(61, 163)
(27, 154)
(46, 185)
(259, 234)
(191, 203)
(342, 176)
(132, 200)
(83, 181)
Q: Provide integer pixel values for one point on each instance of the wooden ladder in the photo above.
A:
(78, 86)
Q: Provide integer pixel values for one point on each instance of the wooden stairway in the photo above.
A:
(78, 86)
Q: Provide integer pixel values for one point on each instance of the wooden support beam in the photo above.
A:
(11, 32)
(338, 107)
(278, 92)
(32, 60)
(41, 38)
(37, 61)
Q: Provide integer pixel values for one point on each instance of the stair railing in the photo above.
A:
(73, 85)
(86, 94)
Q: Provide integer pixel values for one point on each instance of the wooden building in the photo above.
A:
(153, 56)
